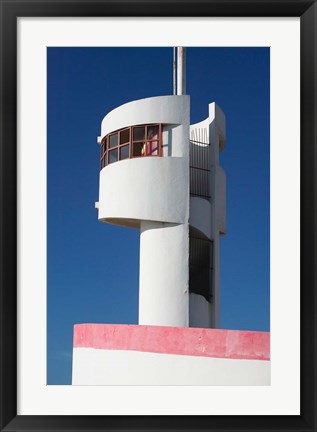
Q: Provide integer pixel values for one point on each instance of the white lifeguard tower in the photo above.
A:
(162, 175)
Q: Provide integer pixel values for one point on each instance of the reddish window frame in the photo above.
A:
(104, 145)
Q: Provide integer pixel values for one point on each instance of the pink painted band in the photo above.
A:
(234, 344)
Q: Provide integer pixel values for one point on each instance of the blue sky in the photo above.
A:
(93, 267)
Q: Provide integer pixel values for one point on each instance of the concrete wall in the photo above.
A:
(209, 216)
(151, 355)
(161, 109)
(149, 188)
(163, 290)
(111, 367)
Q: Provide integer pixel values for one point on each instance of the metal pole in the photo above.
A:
(174, 71)
(181, 70)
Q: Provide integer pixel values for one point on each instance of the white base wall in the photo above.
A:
(113, 367)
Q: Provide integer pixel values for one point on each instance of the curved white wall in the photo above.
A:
(200, 215)
(149, 188)
(161, 109)
(163, 298)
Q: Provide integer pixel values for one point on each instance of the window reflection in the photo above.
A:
(113, 140)
(131, 142)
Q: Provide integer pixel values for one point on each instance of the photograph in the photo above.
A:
(158, 216)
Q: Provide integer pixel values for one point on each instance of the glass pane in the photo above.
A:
(153, 132)
(124, 152)
(113, 140)
(153, 148)
(102, 163)
(105, 143)
(113, 156)
(138, 133)
(125, 136)
(138, 149)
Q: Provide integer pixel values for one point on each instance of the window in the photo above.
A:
(131, 142)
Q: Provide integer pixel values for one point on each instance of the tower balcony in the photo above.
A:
(144, 168)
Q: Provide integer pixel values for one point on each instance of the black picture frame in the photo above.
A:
(10, 11)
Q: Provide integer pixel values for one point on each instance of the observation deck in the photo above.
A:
(144, 151)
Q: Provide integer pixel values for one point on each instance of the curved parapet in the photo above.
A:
(212, 129)
(152, 188)
(216, 114)
(172, 112)
(161, 109)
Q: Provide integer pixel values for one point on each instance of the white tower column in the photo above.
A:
(153, 193)
(163, 296)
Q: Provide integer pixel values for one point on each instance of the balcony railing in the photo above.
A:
(199, 169)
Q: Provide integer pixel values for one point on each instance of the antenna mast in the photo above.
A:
(181, 70)
(174, 71)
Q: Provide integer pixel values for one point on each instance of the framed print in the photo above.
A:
(261, 56)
